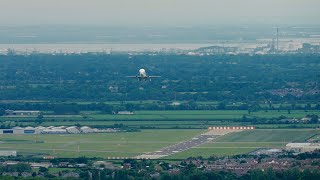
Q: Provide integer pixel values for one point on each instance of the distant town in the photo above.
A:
(296, 46)
(264, 39)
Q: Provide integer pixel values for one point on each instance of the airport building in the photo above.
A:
(125, 113)
(73, 130)
(19, 130)
(86, 129)
(21, 113)
(302, 147)
(54, 130)
(8, 153)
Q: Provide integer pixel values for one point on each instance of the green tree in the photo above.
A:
(84, 175)
(22, 167)
(40, 118)
(43, 169)
(313, 118)
(2, 111)
(221, 106)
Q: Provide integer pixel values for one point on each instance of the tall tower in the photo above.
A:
(272, 48)
(277, 39)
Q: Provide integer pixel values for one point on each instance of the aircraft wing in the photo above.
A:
(154, 76)
(132, 76)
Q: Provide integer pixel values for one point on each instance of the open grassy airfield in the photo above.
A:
(199, 115)
(124, 144)
(246, 141)
(129, 144)
(184, 125)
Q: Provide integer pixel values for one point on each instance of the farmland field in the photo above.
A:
(164, 119)
(202, 115)
(176, 115)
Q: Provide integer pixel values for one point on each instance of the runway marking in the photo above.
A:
(194, 142)
(179, 147)
(225, 147)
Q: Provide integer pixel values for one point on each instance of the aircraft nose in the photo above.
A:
(141, 71)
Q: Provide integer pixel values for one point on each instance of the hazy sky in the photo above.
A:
(158, 12)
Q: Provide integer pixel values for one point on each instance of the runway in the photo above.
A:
(182, 146)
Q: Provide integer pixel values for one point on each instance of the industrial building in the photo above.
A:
(86, 129)
(73, 130)
(302, 147)
(125, 113)
(21, 113)
(20, 130)
(8, 153)
(54, 130)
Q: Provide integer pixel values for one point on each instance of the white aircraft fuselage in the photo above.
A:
(143, 75)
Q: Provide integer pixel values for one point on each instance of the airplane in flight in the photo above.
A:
(143, 75)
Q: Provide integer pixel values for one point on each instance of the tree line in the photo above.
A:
(101, 77)
(76, 108)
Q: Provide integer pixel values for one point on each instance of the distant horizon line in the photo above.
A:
(162, 25)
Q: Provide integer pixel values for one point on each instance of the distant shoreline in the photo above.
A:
(87, 47)
(286, 44)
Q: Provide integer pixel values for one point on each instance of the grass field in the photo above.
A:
(172, 115)
(128, 144)
(96, 145)
(210, 115)
(205, 153)
(136, 143)
(246, 141)
(201, 115)
(266, 135)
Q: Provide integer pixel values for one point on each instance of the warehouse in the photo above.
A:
(86, 129)
(73, 130)
(21, 113)
(40, 128)
(8, 153)
(53, 130)
(302, 147)
(12, 131)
